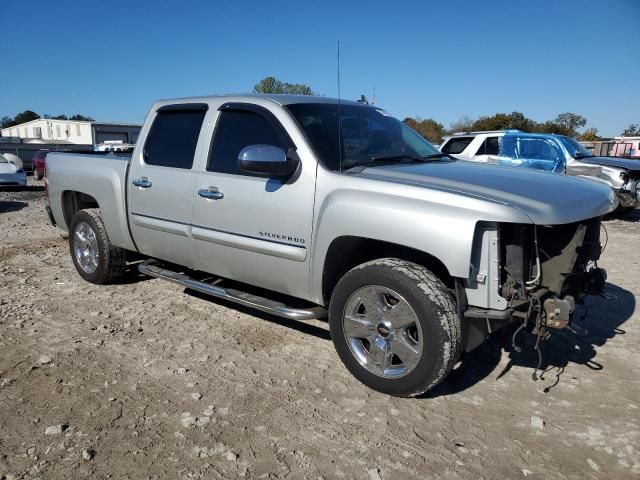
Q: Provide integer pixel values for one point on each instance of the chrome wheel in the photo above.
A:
(85, 247)
(382, 331)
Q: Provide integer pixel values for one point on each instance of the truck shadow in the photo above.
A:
(595, 323)
(28, 188)
(11, 206)
(632, 216)
(300, 326)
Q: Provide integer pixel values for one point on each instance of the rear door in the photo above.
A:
(258, 229)
(456, 146)
(488, 151)
(537, 153)
(161, 183)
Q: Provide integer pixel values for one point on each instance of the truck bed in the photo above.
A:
(83, 177)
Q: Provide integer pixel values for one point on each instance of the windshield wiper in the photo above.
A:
(578, 156)
(399, 156)
(437, 156)
(374, 159)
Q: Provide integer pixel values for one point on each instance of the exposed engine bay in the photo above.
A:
(544, 272)
(547, 270)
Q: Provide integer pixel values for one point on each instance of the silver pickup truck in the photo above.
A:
(309, 207)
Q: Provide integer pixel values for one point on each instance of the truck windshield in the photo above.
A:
(367, 135)
(575, 148)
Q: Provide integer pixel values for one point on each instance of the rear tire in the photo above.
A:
(95, 258)
(395, 326)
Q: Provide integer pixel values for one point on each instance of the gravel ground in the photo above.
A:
(145, 380)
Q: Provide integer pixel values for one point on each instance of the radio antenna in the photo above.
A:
(339, 126)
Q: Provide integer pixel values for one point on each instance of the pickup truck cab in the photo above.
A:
(548, 152)
(310, 207)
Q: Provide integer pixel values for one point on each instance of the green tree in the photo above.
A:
(463, 124)
(6, 122)
(505, 121)
(589, 135)
(273, 85)
(25, 116)
(570, 122)
(428, 128)
(550, 126)
(81, 118)
(632, 130)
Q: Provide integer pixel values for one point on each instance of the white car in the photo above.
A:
(10, 174)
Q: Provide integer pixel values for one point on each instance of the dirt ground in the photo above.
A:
(145, 380)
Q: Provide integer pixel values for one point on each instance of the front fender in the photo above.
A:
(439, 223)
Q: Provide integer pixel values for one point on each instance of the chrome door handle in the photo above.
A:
(211, 193)
(142, 182)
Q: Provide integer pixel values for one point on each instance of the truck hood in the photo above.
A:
(631, 165)
(546, 198)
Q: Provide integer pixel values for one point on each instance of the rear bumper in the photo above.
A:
(13, 180)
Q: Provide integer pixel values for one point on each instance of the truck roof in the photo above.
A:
(281, 100)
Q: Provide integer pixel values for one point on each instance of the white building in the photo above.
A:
(52, 131)
(46, 130)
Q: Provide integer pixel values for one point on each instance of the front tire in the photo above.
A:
(95, 258)
(395, 326)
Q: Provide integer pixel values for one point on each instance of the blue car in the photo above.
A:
(551, 153)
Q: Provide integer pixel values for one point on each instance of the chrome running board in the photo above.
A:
(267, 305)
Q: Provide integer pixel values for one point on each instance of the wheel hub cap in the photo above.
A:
(382, 331)
(85, 247)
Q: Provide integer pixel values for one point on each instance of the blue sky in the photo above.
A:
(443, 59)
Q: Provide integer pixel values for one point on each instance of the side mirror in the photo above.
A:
(267, 161)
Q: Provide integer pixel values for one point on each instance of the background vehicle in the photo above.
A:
(11, 174)
(553, 153)
(627, 147)
(414, 256)
(113, 146)
(38, 162)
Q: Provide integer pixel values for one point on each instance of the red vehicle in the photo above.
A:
(38, 164)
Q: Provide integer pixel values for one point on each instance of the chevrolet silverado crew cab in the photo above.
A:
(549, 152)
(310, 207)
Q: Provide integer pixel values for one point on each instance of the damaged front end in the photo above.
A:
(547, 270)
(543, 272)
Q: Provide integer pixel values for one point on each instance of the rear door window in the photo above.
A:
(456, 145)
(173, 138)
(490, 146)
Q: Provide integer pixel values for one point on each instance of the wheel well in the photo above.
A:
(347, 252)
(74, 201)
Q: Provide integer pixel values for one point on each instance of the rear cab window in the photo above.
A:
(173, 136)
(456, 145)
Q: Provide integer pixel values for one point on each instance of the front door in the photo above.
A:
(537, 153)
(246, 227)
(161, 184)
